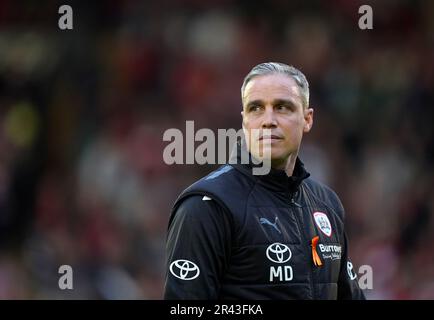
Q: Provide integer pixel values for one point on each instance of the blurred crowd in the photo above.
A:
(83, 112)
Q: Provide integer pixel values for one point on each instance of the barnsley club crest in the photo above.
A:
(323, 223)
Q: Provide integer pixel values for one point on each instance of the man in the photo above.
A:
(280, 235)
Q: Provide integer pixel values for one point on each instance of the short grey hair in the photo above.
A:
(281, 68)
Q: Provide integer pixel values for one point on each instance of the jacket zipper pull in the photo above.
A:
(293, 202)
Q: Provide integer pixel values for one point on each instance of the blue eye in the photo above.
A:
(254, 108)
(284, 108)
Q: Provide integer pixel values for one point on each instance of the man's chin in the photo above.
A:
(270, 155)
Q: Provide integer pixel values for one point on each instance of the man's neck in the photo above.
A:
(288, 165)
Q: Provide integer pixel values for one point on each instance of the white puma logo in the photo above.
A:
(274, 225)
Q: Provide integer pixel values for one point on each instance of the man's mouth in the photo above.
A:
(270, 137)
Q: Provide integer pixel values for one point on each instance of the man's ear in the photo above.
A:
(308, 119)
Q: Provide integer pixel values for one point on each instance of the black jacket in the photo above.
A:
(234, 235)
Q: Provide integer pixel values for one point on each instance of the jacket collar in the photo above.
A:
(275, 180)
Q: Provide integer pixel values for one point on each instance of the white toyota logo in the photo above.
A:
(278, 252)
(184, 269)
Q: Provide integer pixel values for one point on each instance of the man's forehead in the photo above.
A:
(272, 86)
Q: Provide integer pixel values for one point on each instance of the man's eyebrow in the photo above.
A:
(289, 102)
(284, 101)
(254, 103)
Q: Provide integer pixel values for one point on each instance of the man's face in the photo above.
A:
(274, 102)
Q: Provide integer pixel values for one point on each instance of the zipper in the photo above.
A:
(297, 218)
(292, 202)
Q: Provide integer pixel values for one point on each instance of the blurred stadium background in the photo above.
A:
(82, 115)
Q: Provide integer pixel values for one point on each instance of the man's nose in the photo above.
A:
(269, 120)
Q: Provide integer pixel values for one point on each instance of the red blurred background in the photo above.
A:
(83, 111)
